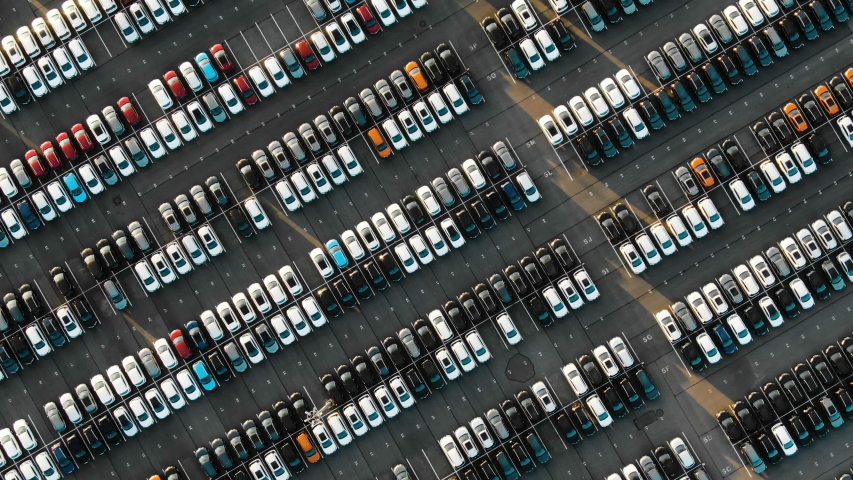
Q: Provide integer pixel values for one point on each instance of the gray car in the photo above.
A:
(136, 152)
(214, 107)
(685, 316)
(369, 101)
(689, 45)
(115, 295)
(496, 421)
(221, 453)
(139, 236)
(659, 65)
(84, 395)
(719, 25)
(263, 163)
(146, 357)
(325, 129)
(651, 470)
(409, 342)
(730, 287)
(316, 9)
(671, 50)
(292, 143)
(500, 151)
(386, 94)
(309, 137)
(201, 201)
(400, 473)
(186, 209)
(168, 214)
(53, 415)
(112, 119)
(277, 152)
(292, 64)
(775, 256)
(443, 191)
(687, 181)
(401, 84)
(458, 182)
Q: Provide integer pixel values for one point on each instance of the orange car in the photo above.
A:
(700, 168)
(308, 448)
(827, 101)
(795, 117)
(417, 76)
(379, 143)
(848, 74)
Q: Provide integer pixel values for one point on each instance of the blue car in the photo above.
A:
(206, 66)
(725, 339)
(72, 183)
(28, 215)
(337, 253)
(62, 458)
(512, 195)
(204, 377)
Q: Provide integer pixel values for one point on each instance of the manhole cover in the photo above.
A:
(519, 368)
(117, 200)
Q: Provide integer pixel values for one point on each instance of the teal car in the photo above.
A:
(204, 377)
(206, 67)
(337, 253)
(72, 183)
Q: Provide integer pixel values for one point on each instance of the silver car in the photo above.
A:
(316, 9)
(277, 152)
(719, 25)
(309, 137)
(458, 180)
(401, 84)
(689, 45)
(659, 65)
(409, 342)
(201, 200)
(369, 101)
(139, 236)
(500, 150)
(112, 119)
(443, 191)
(386, 94)
(326, 130)
(292, 143)
(263, 164)
(671, 50)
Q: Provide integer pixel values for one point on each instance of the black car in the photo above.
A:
(819, 149)
(287, 416)
(691, 354)
(342, 292)
(470, 305)
(525, 399)
(93, 440)
(494, 32)
(815, 421)
(758, 185)
(53, 331)
(755, 320)
(650, 114)
(664, 458)
(771, 451)
(761, 407)
(822, 370)
(486, 297)
(347, 379)
(745, 416)
(620, 133)
(448, 59)
(799, 431)
(31, 300)
(560, 34)
(765, 137)
(300, 405)
(395, 352)
(786, 302)
(21, 349)
(626, 218)
(656, 200)
(590, 368)
(18, 89)
(509, 23)
(588, 150)
(250, 175)
(760, 51)
(539, 311)
(332, 389)
(841, 91)
(791, 33)
(558, 246)
(698, 87)
(516, 279)
(433, 70)
(807, 379)
(776, 397)
(328, 302)
(567, 428)
(629, 392)
(362, 289)
(614, 403)
(582, 419)
(484, 217)
(108, 430)
(107, 254)
(376, 278)
(467, 224)
(511, 412)
(77, 449)
(414, 209)
(487, 160)
(239, 222)
(62, 282)
(604, 142)
(532, 269)
(811, 109)
(781, 127)
(456, 316)
(836, 357)
(734, 154)
(522, 458)
(843, 397)
(341, 121)
(363, 370)
(730, 426)
(614, 234)
(416, 384)
(291, 457)
(792, 389)
(818, 284)
(425, 333)
(497, 205)
(546, 259)
(83, 311)
(430, 372)
(730, 70)
(219, 367)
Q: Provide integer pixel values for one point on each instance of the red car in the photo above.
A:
(82, 137)
(221, 58)
(370, 23)
(50, 155)
(307, 55)
(181, 346)
(67, 147)
(35, 164)
(245, 89)
(175, 84)
(129, 111)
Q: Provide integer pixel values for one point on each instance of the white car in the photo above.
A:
(133, 370)
(300, 183)
(439, 323)
(410, 126)
(312, 309)
(706, 39)
(125, 420)
(173, 394)
(322, 47)
(742, 334)
(842, 229)
(451, 371)
(318, 178)
(663, 238)
(382, 226)
(478, 346)
(473, 173)
(481, 433)
(774, 178)
(565, 121)
(715, 298)
(140, 412)
(261, 81)
(24, 434)
(531, 193)
(247, 314)
(125, 26)
(769, 7)
(102, 390)
(41, 30)
(697, 226)
(420, 249)
(425, 116)
(709, 350)
(43, 206)
(436, 241)
(81, 54)
(451, 451)
(276, 72)
(156, 9)
(6, 103)
(559, 6)
(746, 281)
(575, 379)
(544, 395)
(555, 302)
(256, 213)
(590, 291)
(524, 14)
(91, 10)
(570, 293)
(188, 384)
(140, 16)
(605, 360)
(37, 340)
(801, 293)
(401, 391)
(647, 247)
(164, 271)
(185, 128)
(386, 17)
(547, 45)
(682, 236)
(34, 81)
(339, 429)
(398, 140)
(386, 403)
(285, 191)
(599, 411)
(259, 298)
(398, 218)
(581, 110)
(452, 232)
(628, 84)
(160, 94)
(824, 234)
(531, 54)
(455, 98)
(771, 311)
(804, 158)
(751, 12)
(549, 128)
(762, 271)
(635, 122)
(742, 195)
(788, 167)
(784, 439)
(612, 93)
(13, 51)
(710, 212)
(118, 381)
(620, 349)
(176, 7)
(371, 413)
(699, 307)
(632, 258)
(297, 319)
(437, 102)
(57, 23)
(352, 244)
(352, 27)
(285, 335)
(232, 101)
(355, 420)
(167, 133)
(406, 258)
(668, 325)
(846, 127)
(809, 243)
(69, 406)
(596, 101)
(679, 448)
(735, 20)
(507, 328)
(91, 179)
(165, 354)
(208, 319)
(146, 276)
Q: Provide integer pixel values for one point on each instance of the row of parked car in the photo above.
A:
(320, 9)
(769, 287)
(684, 462)
(793, 408)
(19, 443)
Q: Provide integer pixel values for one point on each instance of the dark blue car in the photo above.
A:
(725, 339)
(28, 215)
